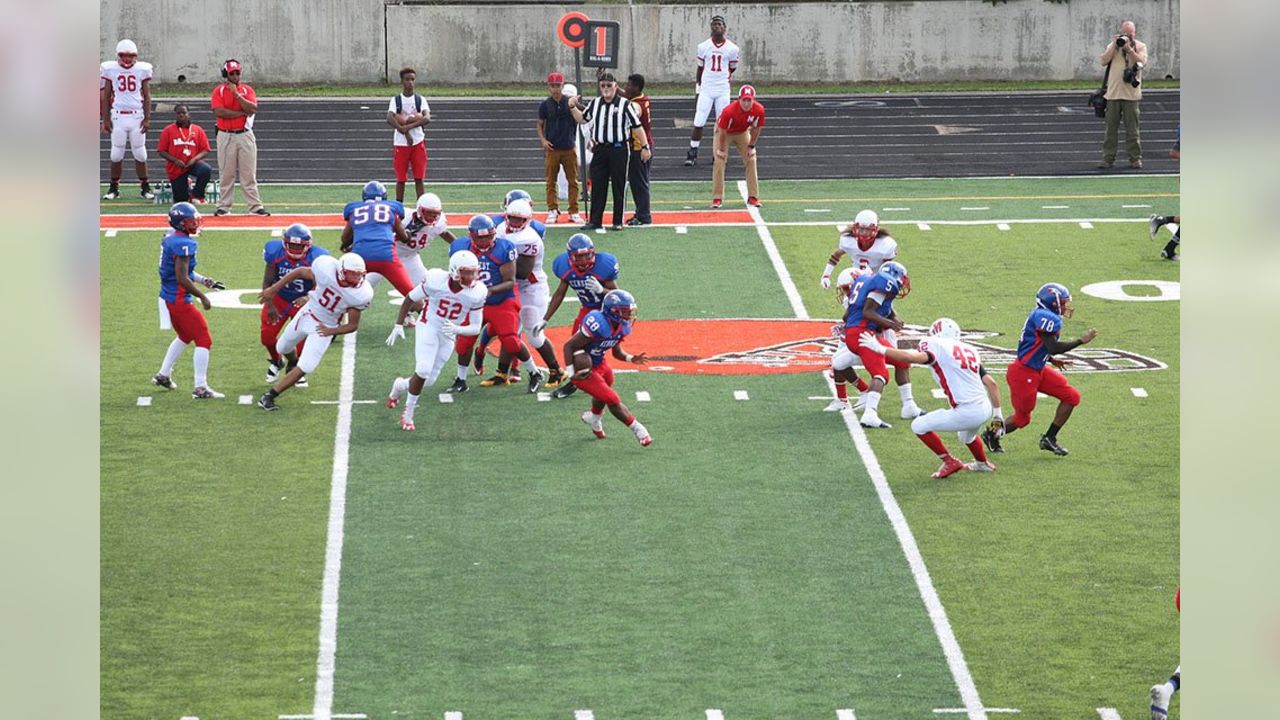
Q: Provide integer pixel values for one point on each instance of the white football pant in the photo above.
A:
(965, 420)
(127, 129)
(302, 326)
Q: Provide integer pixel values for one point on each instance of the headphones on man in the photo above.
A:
(227, 63)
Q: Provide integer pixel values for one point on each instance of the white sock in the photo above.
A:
(638, 429)
(171, 356)
(905, 392)
(399, 387)
(410, 404)
(201, 358)
(462, 371)
(873, 401)
(694, 144)
(597, 418)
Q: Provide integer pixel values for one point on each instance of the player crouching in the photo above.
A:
(972, 393)
(602, 330)
(453, 305)
(842, 371)
(340, 287)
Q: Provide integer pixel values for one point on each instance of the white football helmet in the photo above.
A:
(429, 208)
(945, 328)
(464, 266)
(126, 47)
(351, 270)
(844, 284)
(518, 214)
(865, 228)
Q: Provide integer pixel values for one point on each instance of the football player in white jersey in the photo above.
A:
(340, 287)
(869, 246)
(717, 59)
(124, 87)
(531, 284)
(454, 305)
(842, 371)
(426, 223)
(973, 395)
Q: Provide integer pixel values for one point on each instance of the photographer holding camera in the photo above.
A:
(1124, 58)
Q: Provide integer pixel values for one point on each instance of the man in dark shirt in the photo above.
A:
(638, 169)
(556, 130)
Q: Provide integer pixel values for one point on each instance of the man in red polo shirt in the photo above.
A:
(184, 146)
(740, 122)
(235, 105)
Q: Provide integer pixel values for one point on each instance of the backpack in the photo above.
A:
(417, 101)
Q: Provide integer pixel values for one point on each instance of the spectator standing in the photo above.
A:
(638, 169)
(407, 113)
(557, 129)
(613, 119)
(235, 105)
(184, 146)
(740, 123)
(1124, 57)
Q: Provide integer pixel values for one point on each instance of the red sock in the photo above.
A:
(861, 384)
(979, 452)
(275, 356)
(842, 393)
(934, 443)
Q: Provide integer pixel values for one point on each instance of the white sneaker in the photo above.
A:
(1160, 697)
(553, 216)
(976, 466)
(595, 422)
(871, 419)
(836, 406)
(406, 423)
(860, 403)
(302, 382)
(577, 219)
(206, 393)
(911, 412)
(398, 386)
(112, 194)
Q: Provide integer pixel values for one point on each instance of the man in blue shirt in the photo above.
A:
(557, 130)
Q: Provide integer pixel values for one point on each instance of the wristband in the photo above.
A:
(826, 271)
(578, 352)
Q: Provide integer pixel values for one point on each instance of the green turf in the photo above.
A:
(503, 562)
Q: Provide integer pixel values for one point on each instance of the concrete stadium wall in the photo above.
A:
(367, 41)
(278, 41)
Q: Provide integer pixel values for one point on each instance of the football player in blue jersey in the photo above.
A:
(590, 274)
(374, 224)
(604, 330)
(1027, 375)
(179, 282)
(294, 249)
(871, 310)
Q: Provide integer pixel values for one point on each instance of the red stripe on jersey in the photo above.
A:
(942, 381)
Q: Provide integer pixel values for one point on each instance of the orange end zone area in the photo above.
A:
(329, 221)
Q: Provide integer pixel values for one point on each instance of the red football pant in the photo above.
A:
(269, 331)
(394, 272)
(875, 363)
(189, 323)
(599, 384)
(503, 320)
(404, 155)
(1024, 383)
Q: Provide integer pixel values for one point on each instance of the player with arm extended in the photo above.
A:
(374, 224)
(604, 330)
(453, 306)
(293, 250)
(497, 258)
(124, 94)
(427, 223)
(1027, 375)
(179, 282)
(871, 310)
(869, 246)
(590, 275)
(717, 60)
(340, 287)
(970, 390)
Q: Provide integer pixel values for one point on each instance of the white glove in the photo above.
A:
(397, 333)
(890, 336)
(594, 285)
(868, 341)
(826, 282)
(450, 327)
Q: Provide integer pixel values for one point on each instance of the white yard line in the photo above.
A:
(323, 708)
(771, 249)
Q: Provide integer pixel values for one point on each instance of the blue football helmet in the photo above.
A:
(482, 232)
(897, 272)
(619, 306)
(374, 190)
(297, 241)
(184, 217)
(1056, 298)
(582, 252)
(516, 195)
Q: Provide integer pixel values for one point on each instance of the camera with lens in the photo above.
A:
(1131, 74)
(1120, 41)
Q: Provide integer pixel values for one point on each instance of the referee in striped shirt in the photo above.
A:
(614, 122)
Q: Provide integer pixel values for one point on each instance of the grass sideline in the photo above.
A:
(656, 90)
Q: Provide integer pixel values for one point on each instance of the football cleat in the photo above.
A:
(595, 422)
(164, 381)
(1046, 443)
(950, 467)
(564, 391)
(976, 466)
(499, 378)
(872, 420)
(754, 201)
(393, 398)
(554, 378)
(206, 393)
(911, 412)
(146, 193)
(459, 386)
(992, 441)
(273, 370)
(642, 435)
(1153, 225)
(1168, 255)
(406, 423)
(535, 381)
(691, 157)
(836, 406)
(113, 193)
(553, 216)
(716, 203)
(268, 403)
(1160, 697)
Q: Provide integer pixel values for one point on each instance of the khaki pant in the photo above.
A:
(740, 141)
(556, 159)
(1118, 110)
(238, 160)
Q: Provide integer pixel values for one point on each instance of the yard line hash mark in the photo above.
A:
(714, 714)
(446, 398)
(1002, 226)
(740, 395)
(144, 401)
(246, 399)
(846, 714)
(1139, 392)
(1109, 714)
(642, 396)
(453, 715)
(1086, 226)
(975, 208)
(583, 715)
(923, 226)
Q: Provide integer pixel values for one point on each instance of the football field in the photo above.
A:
(762, 559)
